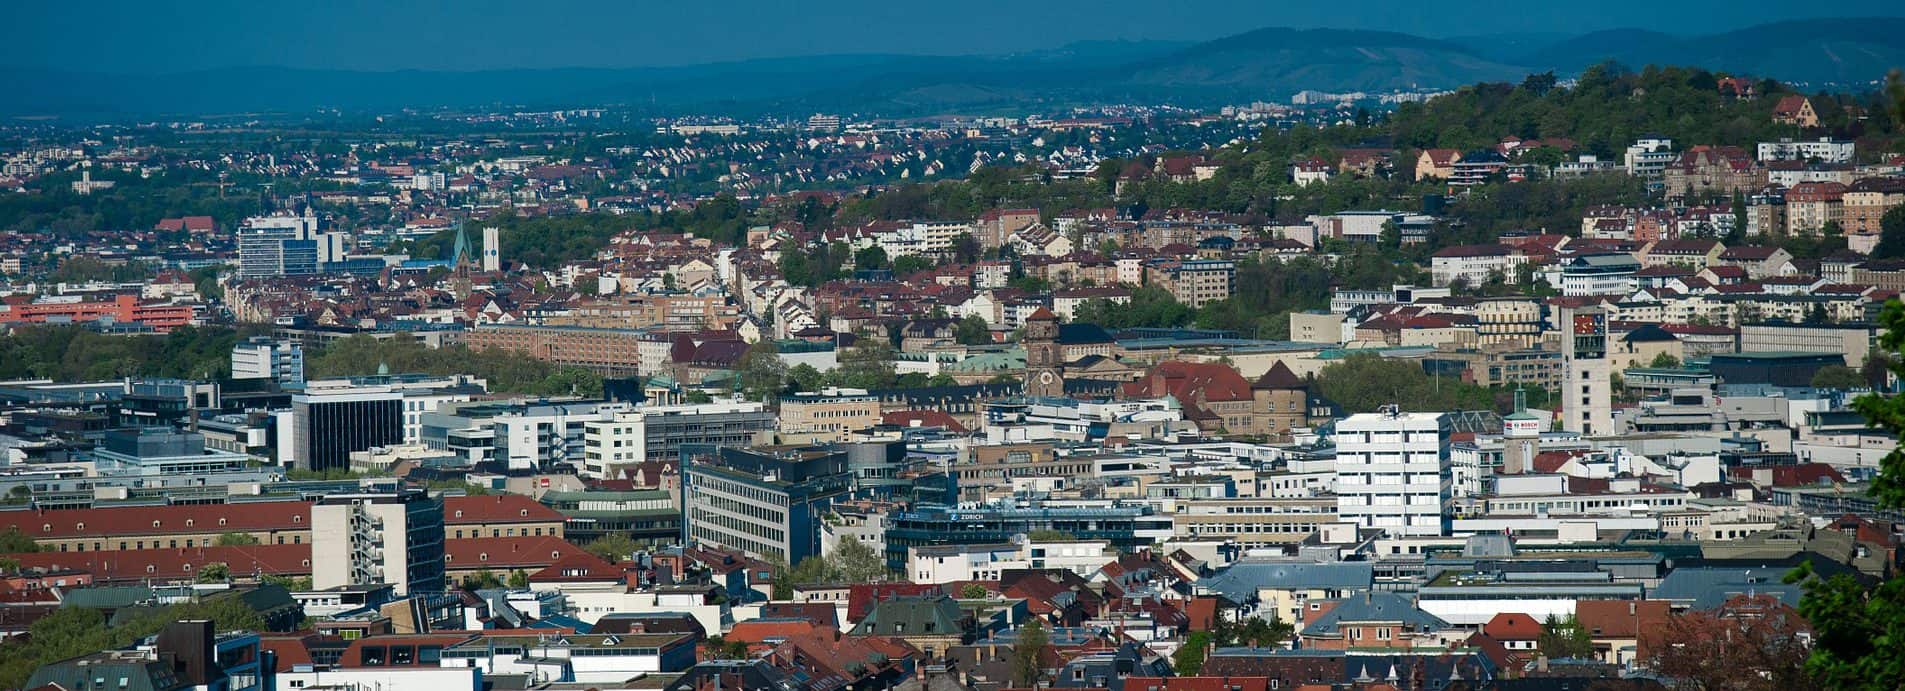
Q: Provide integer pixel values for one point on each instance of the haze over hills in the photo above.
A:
(1265, 64)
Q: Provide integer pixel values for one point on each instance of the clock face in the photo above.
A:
(1046, 377)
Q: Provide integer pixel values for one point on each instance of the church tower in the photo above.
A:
(1044, 359)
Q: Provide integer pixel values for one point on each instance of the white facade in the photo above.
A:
(607, 444)
(941, 564)
(1392, 471)
(1824, 149)
(264, 358)
(360, 539)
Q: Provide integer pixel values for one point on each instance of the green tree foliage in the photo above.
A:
(613, 547)
(1363, 383)
(83, 268)
(73, 631)
(482, 580)
(1891, 235)
(719, 648)
(867, 365)
(974, 591)
(506, 371)
(1028, 665)
(72, 353)
(545, 241)
(1838, 377)
(1188, 660)
(235, 539)
(850, 561)
(1664, 361)
(1049, 535)
(1150, 306)
(13, 542)
(1255, 632)
(1564, 638)
(870, 258)
(134, 202)
(1857, 640)
(763, 374)
(972, 330)
(518, 579)
(215, 573)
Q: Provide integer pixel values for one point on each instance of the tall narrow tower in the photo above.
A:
(1043, 355)
(1521, 437)
(1587, 395)
(492, 250)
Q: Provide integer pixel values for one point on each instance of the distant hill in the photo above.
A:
(1265, 64)
(1280, 61)
(1815, 51)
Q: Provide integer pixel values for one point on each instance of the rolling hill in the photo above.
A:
(1817, 52)
(1265, 64)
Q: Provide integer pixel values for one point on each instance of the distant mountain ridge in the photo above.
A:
(1816, 51)
(1264, 64)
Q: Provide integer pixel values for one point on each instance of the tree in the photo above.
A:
(1838, 377)
(806, 378)
(854, 562)
(14, 542)
(1664, 361)
(1752, 642)
(870, 258)
(214, 573)
(518, 579)
(1047, 535)
(1855, 639)
(972, 330)
(1891, 235)
(763, 374)
(613, 547)
(484, 579)
(723, 649)
(1564, 638)
(1028, 666)
(235, 539)
(867, 365)
(974, 591)
(1189, 658)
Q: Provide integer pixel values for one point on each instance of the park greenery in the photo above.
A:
(72, 631)
(74, 353)
(505, 371)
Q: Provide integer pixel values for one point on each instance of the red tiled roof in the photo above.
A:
(506, 552)
(497, 508)
(116, 521)
(924, 418)
(1512, 626)
(182, 563)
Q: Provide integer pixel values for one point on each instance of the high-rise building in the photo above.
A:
(1586, 389)
(1393, 472)
(261, 357)
(492, 250)
(271, 246)
(766, 502)
(394, 538)
(326, 423)
(659, 433)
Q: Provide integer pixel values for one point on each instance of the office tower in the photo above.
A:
(394, 538)
(765, 502)
(1587, 390)
(325, 424)
(1392, 471)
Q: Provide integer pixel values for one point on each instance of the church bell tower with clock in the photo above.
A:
(1044, 377)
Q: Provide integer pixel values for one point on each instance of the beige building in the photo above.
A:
(1194, 283)
(830, 414)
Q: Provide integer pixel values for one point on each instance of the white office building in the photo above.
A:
(1392, 471)
(261, 357)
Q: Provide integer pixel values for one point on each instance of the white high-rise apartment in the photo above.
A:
(261, 357)
(394, 538)
(1392, 471)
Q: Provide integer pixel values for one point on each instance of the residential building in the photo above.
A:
(830, 415)
(1392, 471)
(389, 538)
(1823, 150)
(1194, 283)
(609, 352)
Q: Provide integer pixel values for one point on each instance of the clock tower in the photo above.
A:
(1043, 357)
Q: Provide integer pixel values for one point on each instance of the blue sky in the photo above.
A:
(141, 36)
